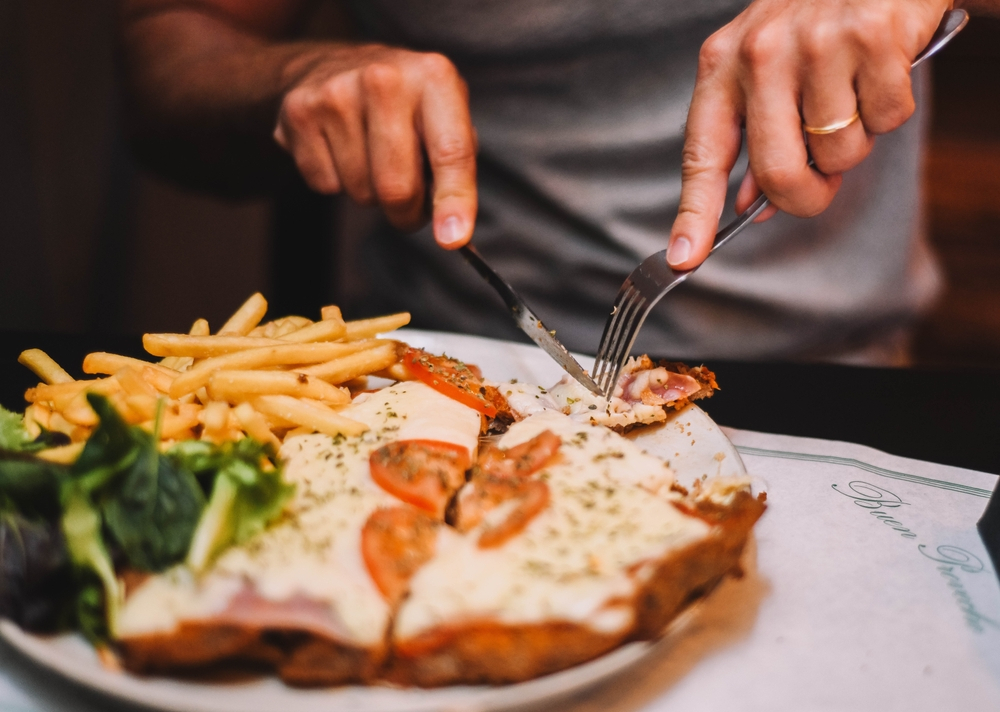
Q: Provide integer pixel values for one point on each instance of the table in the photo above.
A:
(948, 416)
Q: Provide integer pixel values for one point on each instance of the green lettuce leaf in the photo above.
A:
(244, 497)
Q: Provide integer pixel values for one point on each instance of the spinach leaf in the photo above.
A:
(150, 504)
(244, 496)
(152, 513)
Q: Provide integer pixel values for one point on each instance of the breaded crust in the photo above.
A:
(293, 639)
(490, 652)
(299, 657)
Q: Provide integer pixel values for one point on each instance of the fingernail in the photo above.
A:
(451, 231)
(679, 251)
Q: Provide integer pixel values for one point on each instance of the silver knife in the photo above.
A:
(528, 322)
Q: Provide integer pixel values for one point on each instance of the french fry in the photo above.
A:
(313, 415)
(367, 328)
(140, 407)
(236, 386)
(246, 317)
(287, 324)
(59, 424)
(357, 364)
(79, 412)
(101, 386)
(284, 355)
(203, 346)
(44, 366)
(183, 363)
(255, 425)
(157, 379)
(331, 313)
(62, 455)
(103, 362)
(300, 430)
(53, 392)
(396, 372)
(215, 418)
(36, 417)
(327, 330)
(133, 383)
(174, 426)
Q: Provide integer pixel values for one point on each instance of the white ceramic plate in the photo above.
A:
(692, 443)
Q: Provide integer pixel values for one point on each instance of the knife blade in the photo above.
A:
(527, 321)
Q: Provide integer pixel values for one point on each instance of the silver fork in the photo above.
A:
(653, 278)
(648, 284)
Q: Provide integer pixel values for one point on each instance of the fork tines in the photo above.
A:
(619, 334)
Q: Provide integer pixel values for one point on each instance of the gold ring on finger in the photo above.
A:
(831, 128)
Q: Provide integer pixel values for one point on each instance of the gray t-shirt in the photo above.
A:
(580, 108)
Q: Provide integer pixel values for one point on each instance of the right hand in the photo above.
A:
(361, 118)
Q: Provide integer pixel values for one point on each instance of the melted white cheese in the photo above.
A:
(572, 399)
(572, 561)
(314, 550)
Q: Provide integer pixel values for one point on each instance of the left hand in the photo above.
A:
(779, 65)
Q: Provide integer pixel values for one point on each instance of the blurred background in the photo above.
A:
(93, 243)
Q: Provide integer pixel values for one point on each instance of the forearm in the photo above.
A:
(202, 95)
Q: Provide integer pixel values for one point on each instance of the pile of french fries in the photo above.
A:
(266, 380)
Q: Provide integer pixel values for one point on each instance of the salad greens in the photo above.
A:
(244, 496)
(66, 530)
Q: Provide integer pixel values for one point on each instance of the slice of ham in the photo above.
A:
(656, 386)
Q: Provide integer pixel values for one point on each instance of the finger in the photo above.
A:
(749, 191)
(298, 132)
(343, 125)
(828, 98)
(885, 93)
(776, 147)
(711, 147)
(450, 142)
(393, 146)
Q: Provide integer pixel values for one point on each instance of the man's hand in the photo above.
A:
(361, 119)
(781, 64)
(355, 118)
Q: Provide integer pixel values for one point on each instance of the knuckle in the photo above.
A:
(761, 46)
(778, 180)
(714, 53)
(820, 41)
(396, 189)
(340, 93)
(381, 78)
(454, 151)
(298, 108)
(438, 67)
(697, 160)
(891, 112)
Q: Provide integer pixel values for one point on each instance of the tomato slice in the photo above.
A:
(424, 473)
(451, 378)
(395, 543)
(521, 460)
(487, 492)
